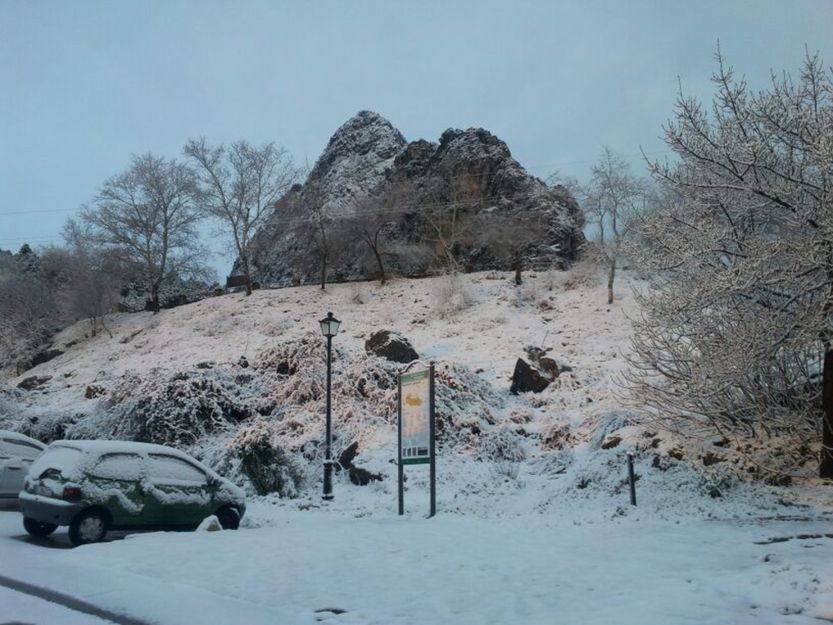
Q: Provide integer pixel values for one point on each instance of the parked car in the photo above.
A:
(16, 455)
(97, 486)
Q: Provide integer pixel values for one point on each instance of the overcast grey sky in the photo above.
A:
(85, 84)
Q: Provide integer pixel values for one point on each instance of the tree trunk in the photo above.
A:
(518, 268)
(826, 463)
(382, 278)
(244, 260)
(323, 274)
(154, 298)
(610, 278)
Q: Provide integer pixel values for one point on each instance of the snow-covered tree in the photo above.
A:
(92, 277)
(29, 313)
(239, 186)
(737, 332)
(611, 200)
(147, 216)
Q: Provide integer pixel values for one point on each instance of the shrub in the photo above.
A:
(269, 468)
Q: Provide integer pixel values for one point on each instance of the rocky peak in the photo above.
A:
(356, 158)
(367, 156)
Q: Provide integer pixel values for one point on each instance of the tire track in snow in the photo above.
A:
(68, 602)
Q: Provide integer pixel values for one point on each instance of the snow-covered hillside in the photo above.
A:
(534, 519)
(212, 376)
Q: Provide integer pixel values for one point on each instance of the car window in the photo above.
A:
(21, 449)
(168, 467)
(118, 466)
(59, 457)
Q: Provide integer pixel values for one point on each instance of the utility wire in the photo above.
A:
(451, 179)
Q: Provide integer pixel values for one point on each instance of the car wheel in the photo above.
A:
(88, 526)
(229, 518)
(38, 529)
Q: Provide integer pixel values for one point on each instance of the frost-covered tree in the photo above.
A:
(29, 313)
(92, 277)
(737, 332)
(611, 199)
(239, 186)
(147, 217)
(510, 237)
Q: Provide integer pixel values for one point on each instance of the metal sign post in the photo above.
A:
(416, 432)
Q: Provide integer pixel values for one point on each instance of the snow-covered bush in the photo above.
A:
(464, 405)
(269, 468)
(179, 409)
(501, 444)
(451, 296)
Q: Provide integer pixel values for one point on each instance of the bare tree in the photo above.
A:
(92, 277)
(512, 236)
(29, 313)
(610, 200)
(239, 186)
(737, 331)
(147, 217)
(321, 235)
(372, 222)
(446, 210)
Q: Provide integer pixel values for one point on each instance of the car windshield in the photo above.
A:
(59, 457)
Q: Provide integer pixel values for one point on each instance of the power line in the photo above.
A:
(451, 179)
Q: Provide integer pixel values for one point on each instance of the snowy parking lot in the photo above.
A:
(316, 566)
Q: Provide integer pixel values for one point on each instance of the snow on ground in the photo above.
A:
(305, 566)
(17, 607)
(547, 536)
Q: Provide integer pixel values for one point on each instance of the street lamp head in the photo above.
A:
(329, 325)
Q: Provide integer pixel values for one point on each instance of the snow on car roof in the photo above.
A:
(100, 447)
(17, 436)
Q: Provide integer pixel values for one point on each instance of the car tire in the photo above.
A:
(89, 526)
(229, 518)
(38, 529)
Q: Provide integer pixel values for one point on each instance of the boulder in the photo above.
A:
(45, 356)
(392, 346)
(526, 379)
(611, 442)
(93, 391)
(33, 382)
(359, 476)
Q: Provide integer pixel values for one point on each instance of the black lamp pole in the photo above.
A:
(328, 459)
(329, 328)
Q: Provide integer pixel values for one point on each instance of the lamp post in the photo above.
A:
(329, 328)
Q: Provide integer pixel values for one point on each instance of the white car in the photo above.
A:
(16, 455)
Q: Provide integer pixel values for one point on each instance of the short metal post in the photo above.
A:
(328, 457)
(631, 479)
(400, 467)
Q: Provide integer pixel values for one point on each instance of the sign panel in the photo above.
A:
(415, 410)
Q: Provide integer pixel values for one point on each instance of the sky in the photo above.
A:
(86, 84)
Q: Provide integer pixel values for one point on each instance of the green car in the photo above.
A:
(96, 486)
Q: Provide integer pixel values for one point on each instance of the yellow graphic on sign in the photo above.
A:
(412, 400)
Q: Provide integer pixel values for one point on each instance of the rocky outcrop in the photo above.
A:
(392, 346)
(368, 158)
(526, 379)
